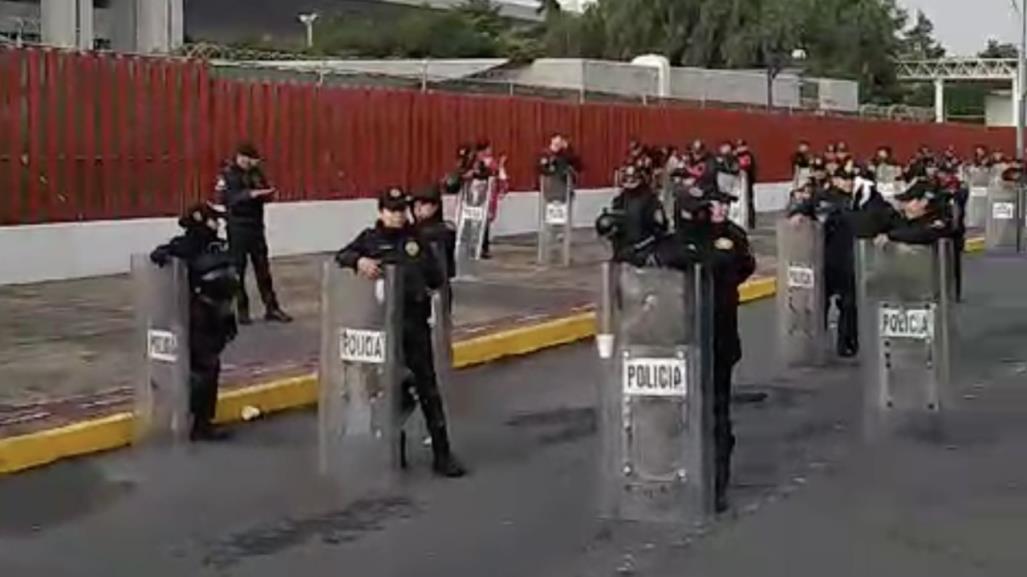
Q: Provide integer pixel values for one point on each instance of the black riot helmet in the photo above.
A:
(631, 177)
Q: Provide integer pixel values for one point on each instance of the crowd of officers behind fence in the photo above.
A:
(836, 189)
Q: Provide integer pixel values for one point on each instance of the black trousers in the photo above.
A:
(204, 371)
(750, 197)
(957, 264)
(251, 245)
(843, 294)
(486, 242)
(417, 353)
(723, 432)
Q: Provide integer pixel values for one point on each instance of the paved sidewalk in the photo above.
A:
(65, 347)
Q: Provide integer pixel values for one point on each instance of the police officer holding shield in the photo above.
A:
(213, 284)
(427, 213)
(922, 217)
(635, 220)
(394, 240)
(835, 207)
(704, 232)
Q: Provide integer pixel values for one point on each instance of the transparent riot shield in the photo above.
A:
(977, 178)
(801, 178)
(735, 185)
(360, 374)
(471, 223)
(888, 181)
(656, 396)
(555, 219)
(441, 320)
(905, 312)
(1000, 219)
(800, 293)
(162, 342)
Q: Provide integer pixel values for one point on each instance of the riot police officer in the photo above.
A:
(704, 232)
(635, 220)
(922, 216)
(244, 190)
(432, 227)
(747, 164)
(394, 240)
(213, 284)
(559, 158)
(834, 207)
(802, 157)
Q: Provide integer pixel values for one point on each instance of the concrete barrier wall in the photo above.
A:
(46, 252)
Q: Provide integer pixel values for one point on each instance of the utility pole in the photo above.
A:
(1021, 88)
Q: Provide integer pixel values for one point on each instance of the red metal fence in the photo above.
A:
(87, 137)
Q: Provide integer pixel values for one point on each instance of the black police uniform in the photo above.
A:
(438, 233)
(405, 248)
(213, 285)
(633, 224)
(834, 207)
(954, 214)
(724, 248)
(246, 235)
(928, 228)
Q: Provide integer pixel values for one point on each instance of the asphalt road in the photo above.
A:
(810, 497)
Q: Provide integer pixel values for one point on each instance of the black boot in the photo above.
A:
(403, 463)
(277, 315)
(448, 466)
(207, 432)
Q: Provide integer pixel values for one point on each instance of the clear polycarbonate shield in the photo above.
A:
(1000, 218)
(905, 312)
(978, 179)
(656, 405)
(735, 185)
(555, 219)
(801, 178)
(800, 292)
(668, 198)
(889, 180)
(471, 223)
(161, 395)
(360, 374)
(441, 320)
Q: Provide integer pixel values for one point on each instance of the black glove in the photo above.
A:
(160, 257)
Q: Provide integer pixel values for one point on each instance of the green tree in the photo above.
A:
(996, 49)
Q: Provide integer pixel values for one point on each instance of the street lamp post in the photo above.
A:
(308, 21)
(776, 63)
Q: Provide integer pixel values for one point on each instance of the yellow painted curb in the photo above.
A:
(92, 436)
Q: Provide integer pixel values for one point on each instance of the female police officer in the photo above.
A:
(393, 240)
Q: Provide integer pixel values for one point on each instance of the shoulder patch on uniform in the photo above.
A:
(724, 243)
(412, 248)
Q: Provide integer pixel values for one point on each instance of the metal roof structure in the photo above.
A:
(957, 69)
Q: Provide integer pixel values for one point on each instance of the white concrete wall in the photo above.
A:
(998, 108)
(35, 253)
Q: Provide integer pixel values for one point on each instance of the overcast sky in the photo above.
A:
(964, 26)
